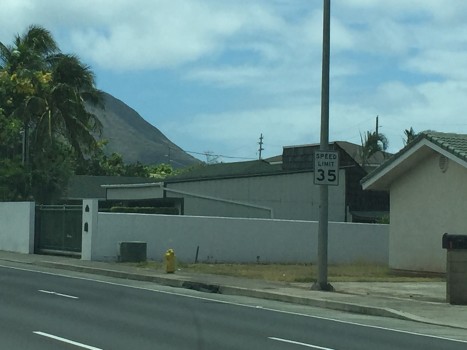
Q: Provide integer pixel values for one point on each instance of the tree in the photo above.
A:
(161, 171)
(50, 90)
(410, 135)
(21, 65)
(43, 94)
(372, 143)
(64, 110)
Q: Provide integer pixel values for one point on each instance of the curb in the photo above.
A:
(317, 302)
(240, 291)
(113, 273)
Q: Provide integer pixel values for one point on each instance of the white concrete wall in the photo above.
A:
(17, 227)
(425, 203)
(239, 239)
(89, 227)
(291, 196)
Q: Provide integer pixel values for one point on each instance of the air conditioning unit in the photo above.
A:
(132, 251)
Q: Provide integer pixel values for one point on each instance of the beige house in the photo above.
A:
(427, 182)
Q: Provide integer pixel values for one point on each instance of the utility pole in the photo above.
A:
(23, 151)
(25, 145)
(377, 125)
(260, 146)
(322, 282)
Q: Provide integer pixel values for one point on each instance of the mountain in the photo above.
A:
(134, 138)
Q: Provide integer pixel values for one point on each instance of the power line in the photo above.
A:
(178, 149)
(217, 155)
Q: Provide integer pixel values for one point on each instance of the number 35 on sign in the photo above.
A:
(326, 168)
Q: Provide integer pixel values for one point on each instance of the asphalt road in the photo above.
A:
(47, 311)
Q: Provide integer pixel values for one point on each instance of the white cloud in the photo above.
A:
(140, 34)
(173, 33)
(13, 19)
(166, 34)
(402, 60)
(388, 36)
(437, 106)
(403, 9)
(442, 63)
(446, 104)
(228, 76)
(395, 97)
(280, 127)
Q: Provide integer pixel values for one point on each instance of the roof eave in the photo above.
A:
(382, 177)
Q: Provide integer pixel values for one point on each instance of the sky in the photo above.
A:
(213, 75)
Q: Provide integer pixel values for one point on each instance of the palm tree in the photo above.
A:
(29, 51)
(410, 135)
(21, 61)
(372, 143)
(48, 92)
(51, 92)
(63, 113)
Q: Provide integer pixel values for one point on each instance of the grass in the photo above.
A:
(358, 272)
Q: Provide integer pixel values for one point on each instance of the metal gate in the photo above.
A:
(58, 229)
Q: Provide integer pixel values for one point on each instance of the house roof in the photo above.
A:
(355, 151)
(134, 191)
(294, 159)
(228, 170)
(87, 186)
(453, 146)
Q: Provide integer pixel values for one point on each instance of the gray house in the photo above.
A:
(281, 187)
(427, 182)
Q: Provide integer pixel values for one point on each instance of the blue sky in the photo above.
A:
(213, 75)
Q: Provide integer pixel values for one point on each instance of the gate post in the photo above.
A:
(89, 228)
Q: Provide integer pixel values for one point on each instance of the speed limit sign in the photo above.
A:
(326, 168)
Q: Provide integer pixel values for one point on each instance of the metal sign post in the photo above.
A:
(322, 282)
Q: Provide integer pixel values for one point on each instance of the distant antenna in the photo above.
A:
(260, 146)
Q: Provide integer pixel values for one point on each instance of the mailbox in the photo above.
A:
(451, 241)
(456, 268)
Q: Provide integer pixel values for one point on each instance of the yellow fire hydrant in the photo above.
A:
(170, 261)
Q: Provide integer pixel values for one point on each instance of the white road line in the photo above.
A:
(57, 294)
(63, 340)
(237, 304)
(299, 343)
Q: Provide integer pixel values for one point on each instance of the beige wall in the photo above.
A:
(425, 203)
(291, 196)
